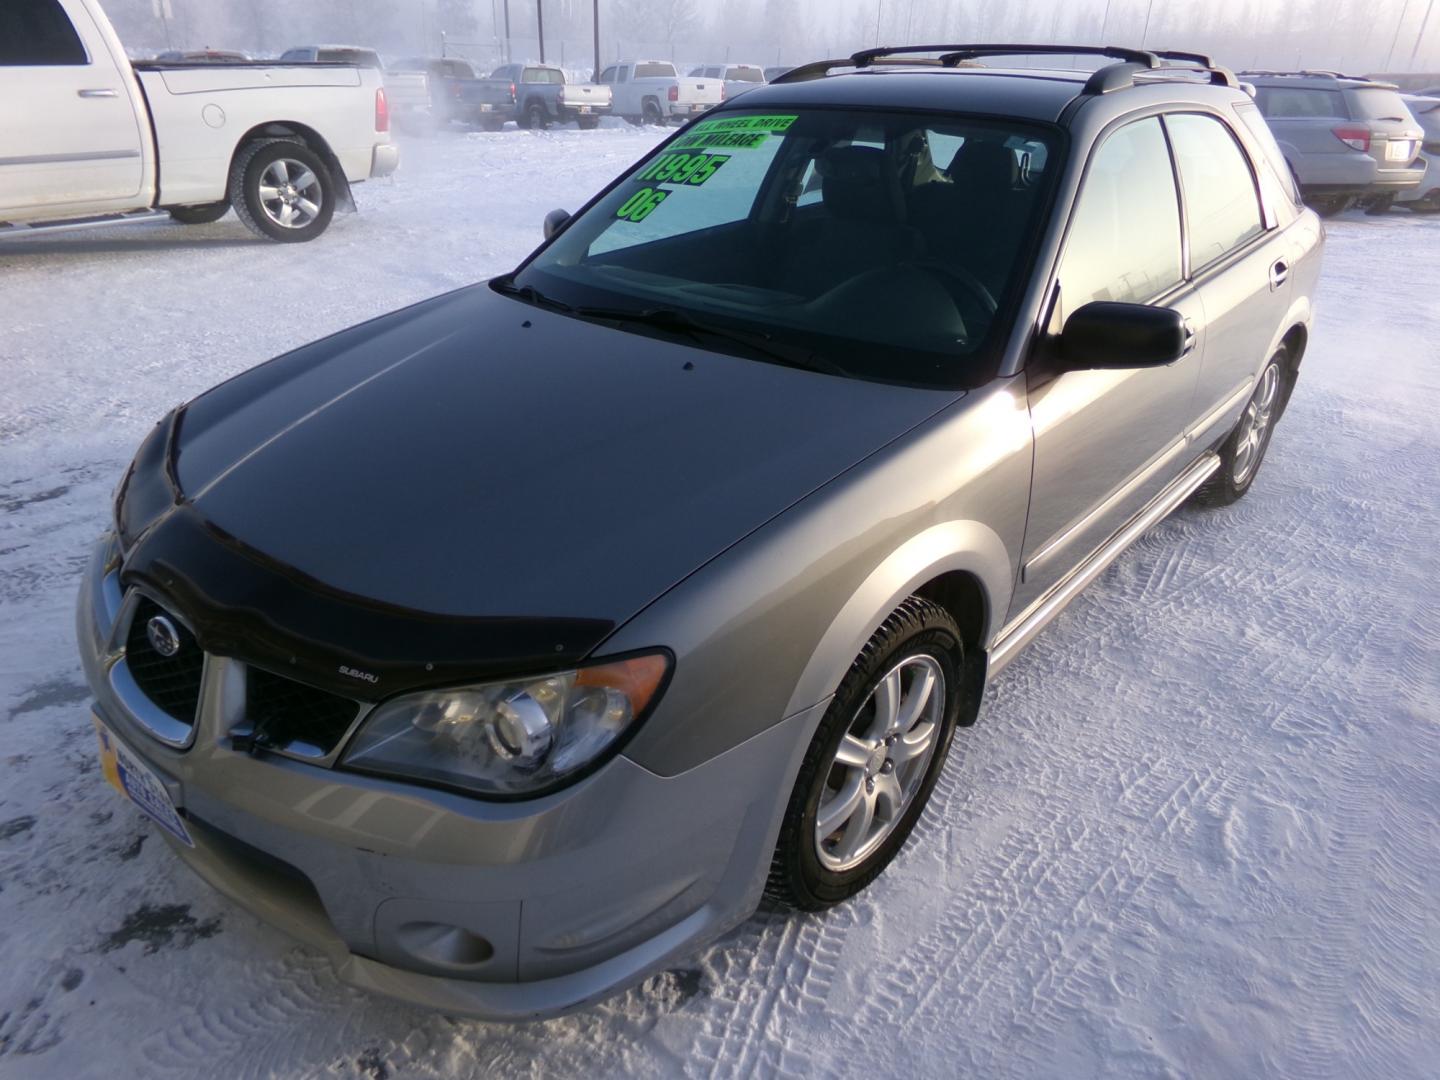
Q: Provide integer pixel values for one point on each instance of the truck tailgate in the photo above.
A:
(407, 90)
(580, 94)
(701, 91)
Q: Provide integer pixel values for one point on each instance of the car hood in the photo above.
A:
(474, 456)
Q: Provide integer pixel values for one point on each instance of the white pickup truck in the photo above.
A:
(91, 138)
(652, 92)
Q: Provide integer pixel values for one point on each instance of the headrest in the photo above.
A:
(858, 183)
(985, 164)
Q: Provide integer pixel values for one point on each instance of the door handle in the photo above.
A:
(1278, 273)
(1189, 346)
(100, 93)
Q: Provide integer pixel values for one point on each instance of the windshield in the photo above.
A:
(888, 245)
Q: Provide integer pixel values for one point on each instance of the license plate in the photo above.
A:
(1399, 151)
(130, 776)
(584, 108)
(484, 108)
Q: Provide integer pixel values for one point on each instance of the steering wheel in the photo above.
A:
(965, 279)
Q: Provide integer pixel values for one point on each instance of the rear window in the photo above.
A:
(1375, 103)
(654, 71)
(543, 75)
(38, 33)
(1299, 101)
(745, 74)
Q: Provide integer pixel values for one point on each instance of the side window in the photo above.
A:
(607, 76)
(1124, 240)
(1277, 168)
(1293, 102)
(38, 33)
(1222, 209)
(622, 74)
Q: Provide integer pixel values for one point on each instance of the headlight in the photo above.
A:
(518, 737)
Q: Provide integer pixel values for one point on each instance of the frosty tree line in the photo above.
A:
(1351, 35)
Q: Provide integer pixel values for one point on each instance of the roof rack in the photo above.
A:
(1117, 76)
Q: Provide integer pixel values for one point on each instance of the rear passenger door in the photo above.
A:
(1108, 441)
(1239, 264)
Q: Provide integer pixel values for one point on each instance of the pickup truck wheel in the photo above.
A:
(200, 215)
(652, 113)
(536, 118)
(1242, 452)
(282, 191)
(870, 769)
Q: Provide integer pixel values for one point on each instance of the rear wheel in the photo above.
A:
(536, 118)
(1242, 453)
(870, 768)
(652, 112)
(200, 215)
(1380, 204)
(283, 191)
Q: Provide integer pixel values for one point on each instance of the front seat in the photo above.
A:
(975, 219)
(864, 225)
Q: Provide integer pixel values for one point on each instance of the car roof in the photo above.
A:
(1331, 79)
(1040, 94)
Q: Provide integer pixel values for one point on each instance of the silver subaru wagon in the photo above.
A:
(512, 645)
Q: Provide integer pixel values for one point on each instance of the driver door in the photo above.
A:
(1108, 441)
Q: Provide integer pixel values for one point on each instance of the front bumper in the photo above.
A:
(503, 911)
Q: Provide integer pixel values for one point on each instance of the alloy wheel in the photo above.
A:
(880, 763)
(1255, 424)
(290, 193)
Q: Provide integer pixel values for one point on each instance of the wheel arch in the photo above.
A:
(290, 129)
(961, 565)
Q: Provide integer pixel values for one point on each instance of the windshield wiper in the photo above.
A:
(528, 293)
(680, 322)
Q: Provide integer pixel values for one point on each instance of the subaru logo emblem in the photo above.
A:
(163, 636)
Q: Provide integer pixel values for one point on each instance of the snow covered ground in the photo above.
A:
(1197, 832)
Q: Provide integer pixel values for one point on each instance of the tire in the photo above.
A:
(1243, 451)
(1380, 205)
(536, 118)
(1329, 205)
(306, 173)
(588, 123)
(810, 872)
(200, 215)
(650, 112)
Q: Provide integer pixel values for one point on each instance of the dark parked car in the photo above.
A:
(450, 82)
(1348, 140)
(510, 646)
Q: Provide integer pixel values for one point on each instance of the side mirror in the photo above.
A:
(1103, 334)
(555, 220)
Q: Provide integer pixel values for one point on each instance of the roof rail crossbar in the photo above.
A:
(1219, 76)
(819, 68)
(956, 53)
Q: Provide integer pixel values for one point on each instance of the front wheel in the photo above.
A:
(200, 215)
(1242, 452)
(283, 191)
(870, 769)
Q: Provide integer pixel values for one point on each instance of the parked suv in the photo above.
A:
(511, 645)
(1424, 198)
(1349, 140)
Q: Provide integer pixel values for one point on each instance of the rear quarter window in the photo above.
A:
(1222, 210)
(1378, 104)
(1295, 102)
(1276, 178)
